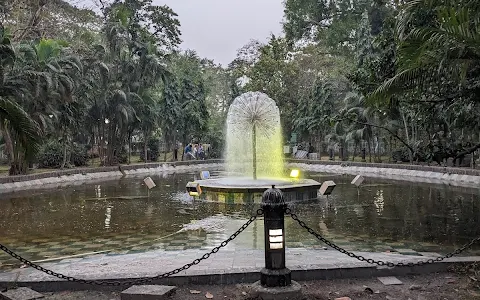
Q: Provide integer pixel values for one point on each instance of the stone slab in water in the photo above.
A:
(390, 280)
(22, 293)
(327, 187)
(358, 180)
(292, 292)
(148, 292)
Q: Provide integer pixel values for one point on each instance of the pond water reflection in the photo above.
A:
(118, 217)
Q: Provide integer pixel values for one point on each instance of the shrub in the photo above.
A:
(79, 156)
(122, 156)
(216, 142)
(401, 154)
(51, 155)
(152, 150)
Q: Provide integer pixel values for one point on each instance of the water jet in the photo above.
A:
(254, 156)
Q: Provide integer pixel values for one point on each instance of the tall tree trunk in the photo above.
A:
(370, 149)
(8, 143)
(145, 148)
(17, 165)
(129, 146)
(167, 148)
(185, 145)
(93, 143)
(354, 151)
(101, 149)
(64, 150)
(112, 142)
(410, 154)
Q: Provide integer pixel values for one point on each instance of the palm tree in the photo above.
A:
(20, 132)
(57, 75)
(438, 40)
(439, 48)
(361, 117)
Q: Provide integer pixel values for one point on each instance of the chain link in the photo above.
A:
(145, 280)
(289, 212)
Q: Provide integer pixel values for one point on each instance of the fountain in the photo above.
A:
(254, 137)
(254, 158)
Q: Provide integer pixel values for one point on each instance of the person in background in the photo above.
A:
(175, 152)
(195, 151)
(311, 149)
(188, 152)
(201, 152)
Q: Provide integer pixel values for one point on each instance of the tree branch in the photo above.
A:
(32, 22)
(468, 151)
(386, 129)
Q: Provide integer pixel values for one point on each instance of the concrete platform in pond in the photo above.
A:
(244, 190)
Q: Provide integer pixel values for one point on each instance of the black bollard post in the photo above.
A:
(275, 274)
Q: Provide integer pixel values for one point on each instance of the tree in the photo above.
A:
(20, 132)
(55, 19)
(438, 59)
(192, 96)
(333, 22)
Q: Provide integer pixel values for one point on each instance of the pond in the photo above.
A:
(119, 217)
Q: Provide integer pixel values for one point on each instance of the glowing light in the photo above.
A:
(276, 245)
(294, 173)
(274, 232)
(275, 237)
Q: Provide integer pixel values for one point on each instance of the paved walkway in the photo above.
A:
(224, 262)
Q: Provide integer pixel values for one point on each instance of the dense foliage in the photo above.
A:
(383, 78)
(412, 76)
(111, 83)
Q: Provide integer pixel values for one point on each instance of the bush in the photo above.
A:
(51, 155)
(122, 156)
(152, 150)
(401, 155)
(79, 156)
(217, 143)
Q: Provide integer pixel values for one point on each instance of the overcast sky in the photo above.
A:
(217, 28)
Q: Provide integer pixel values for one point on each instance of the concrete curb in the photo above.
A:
(80, 176)
(245, 275)
(428, 174)
(392, 173)
(425, 168)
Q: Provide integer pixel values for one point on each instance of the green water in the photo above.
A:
(116, 216)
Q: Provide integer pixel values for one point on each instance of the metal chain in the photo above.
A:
(289, 212)
(107, 282)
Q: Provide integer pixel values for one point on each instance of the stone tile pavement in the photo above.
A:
(153, 263)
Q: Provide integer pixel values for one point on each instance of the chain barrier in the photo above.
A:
(289, 212)
(145, 280)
